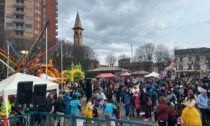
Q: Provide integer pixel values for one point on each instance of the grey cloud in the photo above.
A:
(129, 21)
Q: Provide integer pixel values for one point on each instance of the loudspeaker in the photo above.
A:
(88, 90)
(39, 96)
(24, 92)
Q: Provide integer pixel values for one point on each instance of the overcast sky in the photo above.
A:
(112, 25)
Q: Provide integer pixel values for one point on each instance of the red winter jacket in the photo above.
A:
(162, 111)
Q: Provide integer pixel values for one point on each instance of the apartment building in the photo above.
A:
(193, 59)
(26, 18)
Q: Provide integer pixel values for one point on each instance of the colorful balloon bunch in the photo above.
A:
(169, 73)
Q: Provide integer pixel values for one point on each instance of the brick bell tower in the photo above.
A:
(78, 38)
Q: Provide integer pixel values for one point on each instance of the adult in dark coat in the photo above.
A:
(177, 93)
(48, 108)
(162, 92)
(145, 107)
(59, 106)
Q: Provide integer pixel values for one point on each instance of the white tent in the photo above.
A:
(153, 74)
(9, 85)
(46, 77)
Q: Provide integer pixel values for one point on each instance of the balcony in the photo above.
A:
(19, 12)
(18, 36)
(19, 5)
(20, 20)
(19, 28)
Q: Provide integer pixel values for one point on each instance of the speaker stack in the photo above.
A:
(25, 94)
(39, 96)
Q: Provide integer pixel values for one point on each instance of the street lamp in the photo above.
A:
(24, 52)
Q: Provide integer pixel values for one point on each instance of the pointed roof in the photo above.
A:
(77, 23)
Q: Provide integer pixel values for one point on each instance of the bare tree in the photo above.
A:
(122, 60)
(145, 53)
(76, 54)
(160, 52)
(123, 56)
(110, 60)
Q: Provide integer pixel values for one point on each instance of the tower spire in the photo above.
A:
(78, 23)
(78, 38)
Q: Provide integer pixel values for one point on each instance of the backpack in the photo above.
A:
(149, 102)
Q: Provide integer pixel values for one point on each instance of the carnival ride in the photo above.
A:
(75, 73)
(30, 64)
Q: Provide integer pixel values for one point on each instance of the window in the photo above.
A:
(28, 25)
(9, 16)
(37, 4)
(198, 66)
(189, 67)
(197, 58)
(180, 59)
(9, 24)
(180, 67)
(189, 58)
(38, 25)
(39, 12)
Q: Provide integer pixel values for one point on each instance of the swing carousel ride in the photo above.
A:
(34, 65)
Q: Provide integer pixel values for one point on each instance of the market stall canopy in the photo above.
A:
(126, 74)
(153, 74)
(46, 77)
(105, 75)
(9, 85)
(141, 72)
(109, 69)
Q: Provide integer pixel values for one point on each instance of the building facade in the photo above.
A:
(26, 18)
(136, 66)
(193, 59)
(78, 37)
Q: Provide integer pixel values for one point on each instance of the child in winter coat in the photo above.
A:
(162, 111)
(137, 102)
(172, 115)
(95, 112)
(179, 114)
(118, 115)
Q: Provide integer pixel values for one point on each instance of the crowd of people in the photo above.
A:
(170, 103)
(177, 102)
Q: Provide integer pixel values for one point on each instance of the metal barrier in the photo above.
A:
(48, 119)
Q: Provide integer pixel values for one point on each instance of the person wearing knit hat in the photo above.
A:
(190, 91)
